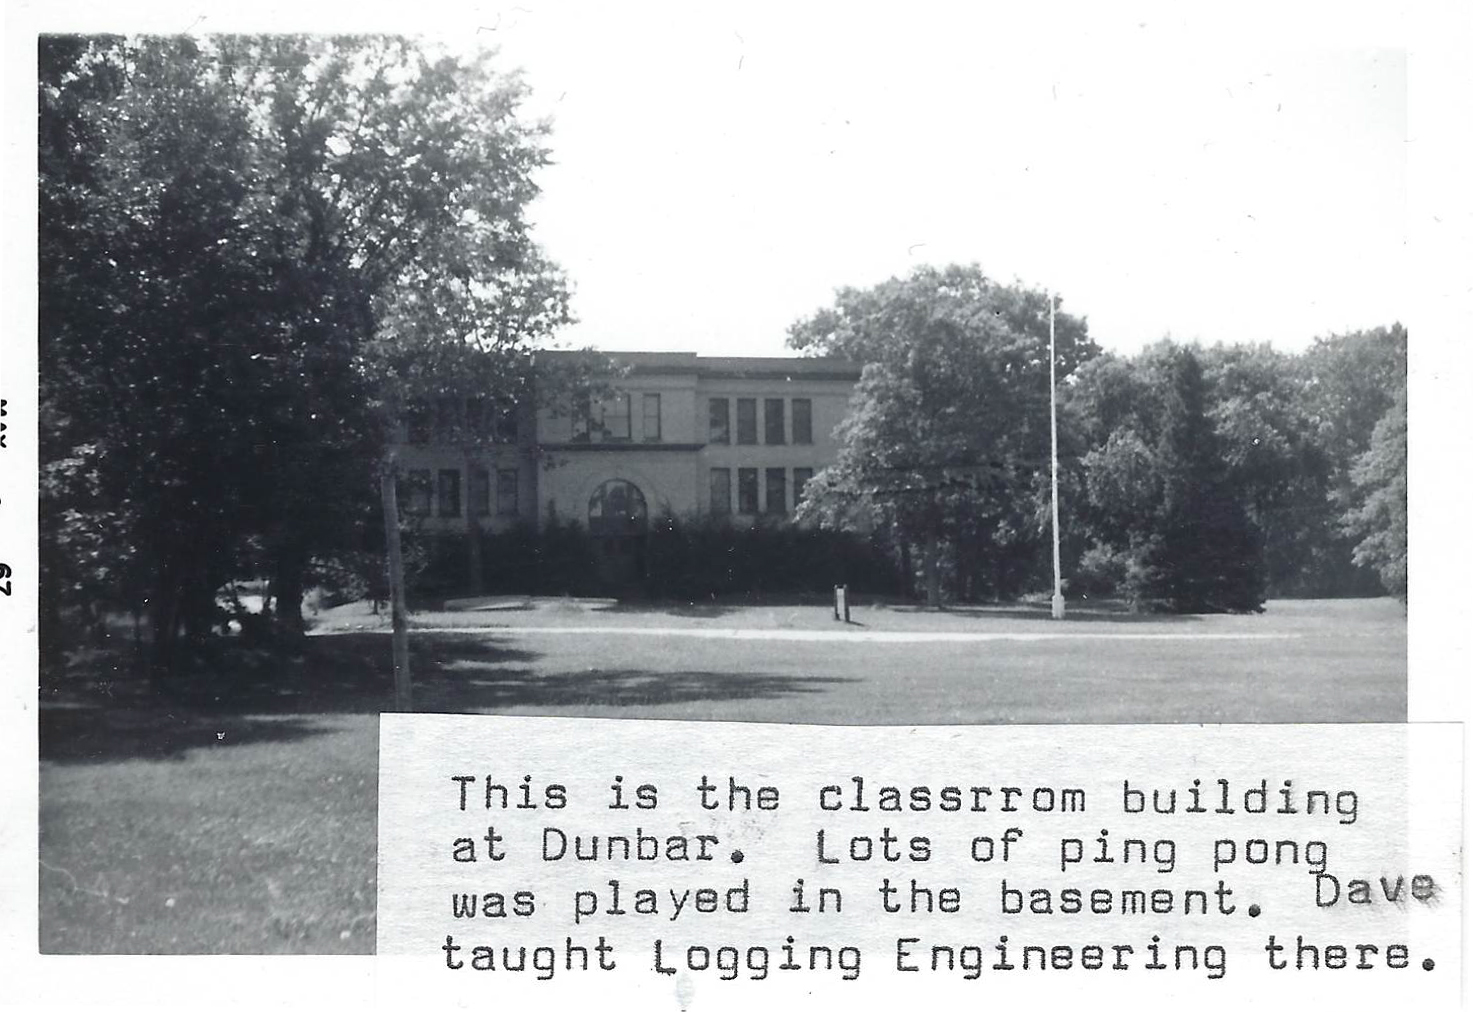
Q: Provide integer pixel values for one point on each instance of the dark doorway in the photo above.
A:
(619, 522)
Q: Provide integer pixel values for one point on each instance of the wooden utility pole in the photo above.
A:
(388, 487)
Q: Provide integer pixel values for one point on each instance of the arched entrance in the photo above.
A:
(619, 520)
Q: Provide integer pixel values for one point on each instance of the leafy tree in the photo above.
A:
(1275, 459)
(254, 250)
(1380, 520)
(1349, 382)
(1168, 522)
(948, 429)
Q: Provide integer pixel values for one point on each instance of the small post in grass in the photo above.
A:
(841, 602)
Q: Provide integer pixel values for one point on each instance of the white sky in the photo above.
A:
(722, 170)
(1235, 174)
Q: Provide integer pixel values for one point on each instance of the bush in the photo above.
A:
(701, 559)
(682, 560)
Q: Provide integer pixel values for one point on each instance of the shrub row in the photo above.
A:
(679, 560)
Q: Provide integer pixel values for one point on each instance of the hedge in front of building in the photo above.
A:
(685, 560)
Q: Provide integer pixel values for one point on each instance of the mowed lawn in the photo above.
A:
(237, 814)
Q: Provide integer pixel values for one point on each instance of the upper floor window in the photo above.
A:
(416, 493)
(720, 420)
(746, 420)
(582, 419)
(507, 501)
(450, 492)
(417, 422)
(449, 419)
(802, 420)
(602, 421)
(479, 493)
(614, 420)
(476, 409)
(775, 424)
(504, 428)
(651, 427)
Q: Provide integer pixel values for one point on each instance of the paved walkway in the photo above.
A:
(852, 634)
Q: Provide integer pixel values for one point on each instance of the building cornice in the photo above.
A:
(619, 447)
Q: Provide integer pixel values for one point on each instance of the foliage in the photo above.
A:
(1165, 514)
(1192, 479)
(1380, 520)
(690, 559)
(251, 250)
(948, 429)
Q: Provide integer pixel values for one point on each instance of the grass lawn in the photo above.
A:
(238, 813)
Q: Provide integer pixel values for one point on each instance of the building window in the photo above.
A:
(746, 420)
(651, 418)
(582, 419)
(720, 420)
(775, 424)
(475, 417)
(802, 422)
(416, 493)
(614, 421)
(449, 420)
(777, 490)
(507, 504)
(747, 490)
(417, 422)
(720, 491)
(505, 430)
(801, 477)
(480, 492)
(450, 492)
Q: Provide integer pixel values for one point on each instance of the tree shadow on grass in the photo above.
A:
(693, 609)
(620, 687)
(93, 713)
(1042, 612)
(83, 734)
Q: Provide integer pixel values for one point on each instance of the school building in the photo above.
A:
(687, 434)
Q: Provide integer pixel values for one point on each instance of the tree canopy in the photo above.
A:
(1192, 479)
(947, 440)
(252, 251)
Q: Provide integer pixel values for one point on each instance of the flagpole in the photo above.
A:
(1053, 435)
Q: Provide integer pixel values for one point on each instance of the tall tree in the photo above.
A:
(1275, 459)
(1379, 520)
(1349, 382)
(253, 249)
(1169, 524)
(948, 430)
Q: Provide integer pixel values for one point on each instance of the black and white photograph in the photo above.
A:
(821, 365)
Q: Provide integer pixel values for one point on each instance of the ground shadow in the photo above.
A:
(84, 734)
(682, 609)
(94, 712)
(621, 687)
(1043, 612)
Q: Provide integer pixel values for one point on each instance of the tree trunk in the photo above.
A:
(932, 561)
(476, 582)
(163, 627)
(403, 701)
(287, 588)
(907, 571)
